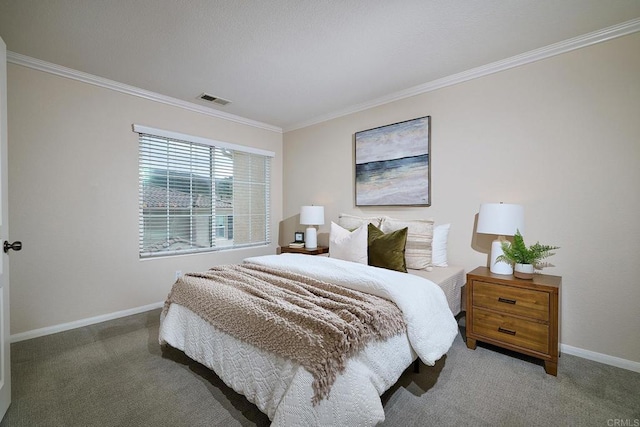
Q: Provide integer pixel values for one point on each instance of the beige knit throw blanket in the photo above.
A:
(317, 324)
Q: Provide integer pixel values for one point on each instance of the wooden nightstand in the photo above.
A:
(318, 251)
(516, 314)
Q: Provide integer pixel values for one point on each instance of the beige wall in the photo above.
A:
(73, 194)
(559, 136)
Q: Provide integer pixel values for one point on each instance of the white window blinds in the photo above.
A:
(200, 195)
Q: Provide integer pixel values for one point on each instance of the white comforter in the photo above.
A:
(282, 389)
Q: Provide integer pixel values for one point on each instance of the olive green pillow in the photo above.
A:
(387, 250)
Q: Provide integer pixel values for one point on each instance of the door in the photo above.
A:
(5, 359)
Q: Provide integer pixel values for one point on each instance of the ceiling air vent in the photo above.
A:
(214, 99)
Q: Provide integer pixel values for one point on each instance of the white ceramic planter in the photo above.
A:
(523, 271)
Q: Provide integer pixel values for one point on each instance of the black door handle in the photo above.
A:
(16, 246)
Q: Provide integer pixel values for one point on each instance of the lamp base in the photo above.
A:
(500, 267)
(311, 238)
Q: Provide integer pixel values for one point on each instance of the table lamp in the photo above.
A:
(501, 219)
(311, 216)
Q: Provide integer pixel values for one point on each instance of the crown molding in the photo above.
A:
(58, 70)
(589, 39)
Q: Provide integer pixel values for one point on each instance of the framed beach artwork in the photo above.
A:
(393, 164)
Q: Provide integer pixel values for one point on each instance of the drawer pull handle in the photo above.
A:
(506, 300)
(506, 331)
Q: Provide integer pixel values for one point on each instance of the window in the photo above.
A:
(199, 195)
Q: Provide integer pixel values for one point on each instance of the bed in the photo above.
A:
(282, 389)
(450, 279)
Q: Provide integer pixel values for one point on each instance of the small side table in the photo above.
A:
(516, 314)
(317, 251)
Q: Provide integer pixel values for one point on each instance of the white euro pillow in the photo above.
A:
(348, 245)
(439, 246)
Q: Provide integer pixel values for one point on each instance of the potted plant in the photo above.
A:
(524, 259)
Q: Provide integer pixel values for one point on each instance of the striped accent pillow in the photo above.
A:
(419, 240)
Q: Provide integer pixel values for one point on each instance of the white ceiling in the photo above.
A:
(292, 62)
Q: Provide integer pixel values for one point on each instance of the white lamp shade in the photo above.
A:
(502, 219)
(312, 215)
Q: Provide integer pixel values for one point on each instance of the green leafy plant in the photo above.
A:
(519, 253)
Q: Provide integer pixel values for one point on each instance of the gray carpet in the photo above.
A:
(116, 374)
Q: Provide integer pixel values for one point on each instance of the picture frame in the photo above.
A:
(393, 164)
(298, 237)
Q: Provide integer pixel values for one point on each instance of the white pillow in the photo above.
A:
(351, 222)
(439, 245)
(348, 245)
(419, 238)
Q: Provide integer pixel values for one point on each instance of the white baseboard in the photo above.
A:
(35, 333)
(602, 358)
(564, 348)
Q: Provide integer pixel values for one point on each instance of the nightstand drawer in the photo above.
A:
(511, 330)
(511, 300)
